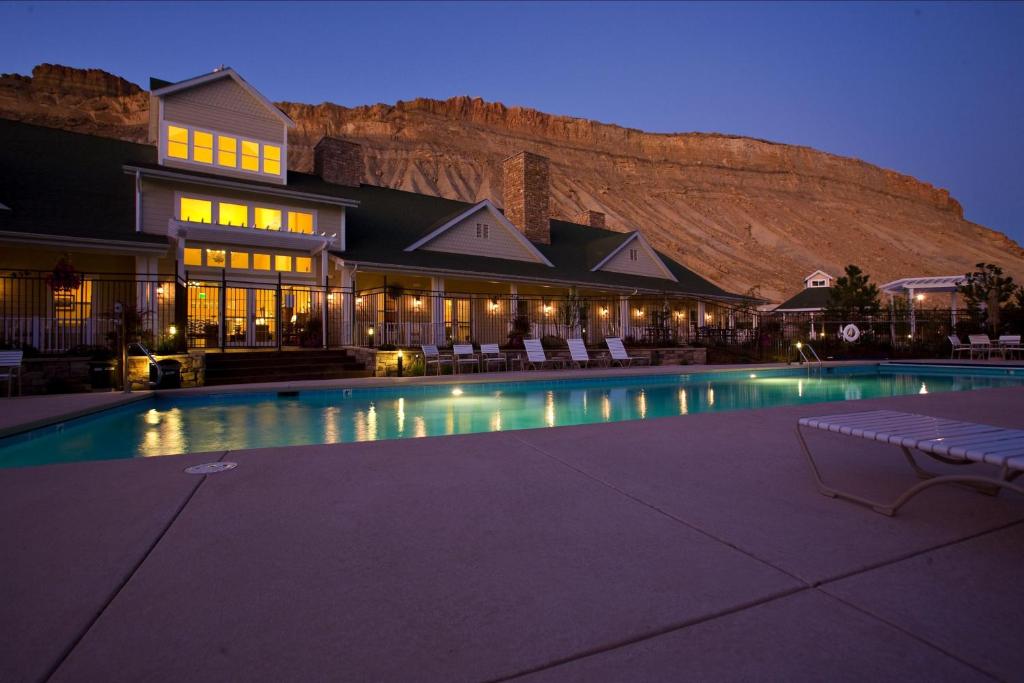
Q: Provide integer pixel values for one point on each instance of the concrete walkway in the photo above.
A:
(684, 548)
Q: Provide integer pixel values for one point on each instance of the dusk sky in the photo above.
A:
(932, 90)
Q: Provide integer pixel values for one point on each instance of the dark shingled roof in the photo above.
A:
(811, 297)
(61, 183)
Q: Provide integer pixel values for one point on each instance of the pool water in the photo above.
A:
(166, 425)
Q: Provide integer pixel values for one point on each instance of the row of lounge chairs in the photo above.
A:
(980, 345)
(490, 357)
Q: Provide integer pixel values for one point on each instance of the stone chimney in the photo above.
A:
(594, 219)
(525, 193)
(338, 161)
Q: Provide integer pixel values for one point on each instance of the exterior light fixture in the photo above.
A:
(493, 305)
(920, 297)
(604, 311)
(547, 309)
(359, 301)
(160, 290)
(330, 297)
(799, 345)
(399, 353)
(172, 330)
(456, 391)
(369, 331)
(753, 376)
(417, 302)
(639, 313)
(294, 318)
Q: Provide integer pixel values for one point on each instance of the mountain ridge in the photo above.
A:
(742, 211)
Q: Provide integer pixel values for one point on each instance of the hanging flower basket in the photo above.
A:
(64, 277)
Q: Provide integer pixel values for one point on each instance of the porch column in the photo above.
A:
(913, 316)
(437, 311)
(952, 309)
(348, 304)
(513, 308)
(701, 315)
(624, 326)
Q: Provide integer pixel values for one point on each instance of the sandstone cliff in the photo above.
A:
(741, 211)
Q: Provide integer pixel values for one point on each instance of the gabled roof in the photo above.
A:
(636, 237)
(817, 273)
(217, 75)
(452, 221)
(809, 299)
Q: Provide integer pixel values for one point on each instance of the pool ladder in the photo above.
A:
(817, 360)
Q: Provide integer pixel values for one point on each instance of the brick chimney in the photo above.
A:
(525, 192)
(594, 219)
(338, 161)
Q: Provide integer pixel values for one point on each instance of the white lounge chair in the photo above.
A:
(491, 355)
(535, 356)
(432, 356)
(948, 441)
(1009, 344)
(957, 346)
(980, 344)
(578, 353)
(619, 354)
(464, 355)
(10, 365)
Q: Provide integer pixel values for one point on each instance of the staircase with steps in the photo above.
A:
(246, 367)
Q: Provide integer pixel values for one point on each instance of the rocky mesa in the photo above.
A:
(744, 212)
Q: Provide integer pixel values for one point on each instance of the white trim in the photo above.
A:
(88, 243)
(183, 175)
(228, 235)
(640, 239)
(196, 81)
(828, 278)
(943, 283)
(498, 216)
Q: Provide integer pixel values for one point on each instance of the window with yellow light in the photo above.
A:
(202, 147)
(250, 155)
(233, 214)
(300, 221)
(193, 257)
(195, 210)
(227, 151)
(240, 260)
(303, 264)
(272, 159)
(215, 258)
(177, 142)
(267, 219)
(261, 261)
(283, 263)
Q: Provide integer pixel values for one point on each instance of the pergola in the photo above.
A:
(915, 289)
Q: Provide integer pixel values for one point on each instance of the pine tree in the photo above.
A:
(853, 296)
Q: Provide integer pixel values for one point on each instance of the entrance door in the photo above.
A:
(236, 317)
(263, 313)
(457, 328)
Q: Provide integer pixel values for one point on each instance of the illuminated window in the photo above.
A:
(283, 263)
(202, 147)
(227, 151)
(193, 257)
(303, 264)
(261, 261)
(267, 219)
(196, 210)
(233, 214)
(215, 258)
(250, 155)
(177, 142)
(300, 222)
(272, 159)
(239, 259)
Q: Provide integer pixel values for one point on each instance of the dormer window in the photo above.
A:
(213, 149)
(817, 283)
(483, 231)
(634, 254)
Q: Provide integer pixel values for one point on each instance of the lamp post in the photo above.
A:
(399, 362)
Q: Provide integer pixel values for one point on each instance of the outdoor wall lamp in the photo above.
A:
(639, 313)
(920, 297)
(417, 302)
(359, 301)
(547, 309)
(160, 290)
(604, 311)
(172, 330)
(369, 331)
(493, 305)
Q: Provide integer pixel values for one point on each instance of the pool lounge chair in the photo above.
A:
(578, 353)
(432, 356)
(491, 356)
(1009, 344)
(10, 366)
(464, 355)
(619, 354)
(535, 356)
(947, 441)
(980, 344)
(957, 346)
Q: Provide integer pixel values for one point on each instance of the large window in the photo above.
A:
(227, 151)
(303, 264)
(196, 210)
(242, 259)
(267, 219)
(233, 214)
(300, 221)
(261, 261)
(193, 257)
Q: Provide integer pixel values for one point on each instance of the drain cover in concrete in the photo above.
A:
(211, 467)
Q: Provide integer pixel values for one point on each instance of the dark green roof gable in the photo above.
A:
(815, 298)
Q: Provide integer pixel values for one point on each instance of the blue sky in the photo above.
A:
(935, 90)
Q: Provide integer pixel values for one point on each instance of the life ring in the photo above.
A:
(851, 333)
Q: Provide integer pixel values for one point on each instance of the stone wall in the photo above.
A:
(52, 376)
(193, 367)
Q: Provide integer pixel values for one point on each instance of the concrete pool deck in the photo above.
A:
(678, 548)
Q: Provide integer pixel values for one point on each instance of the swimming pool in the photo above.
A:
(167, 425)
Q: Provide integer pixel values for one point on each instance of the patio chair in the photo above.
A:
(957, 346)
(535, 356)
(432, 356)
(464, 355)
(947, 441)
(980, 344)
(578, 353)
(1009, 344)
(619, 354)
(491, 355)
(10, 365)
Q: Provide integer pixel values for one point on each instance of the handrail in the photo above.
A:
(800, 349)
(152, 361)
